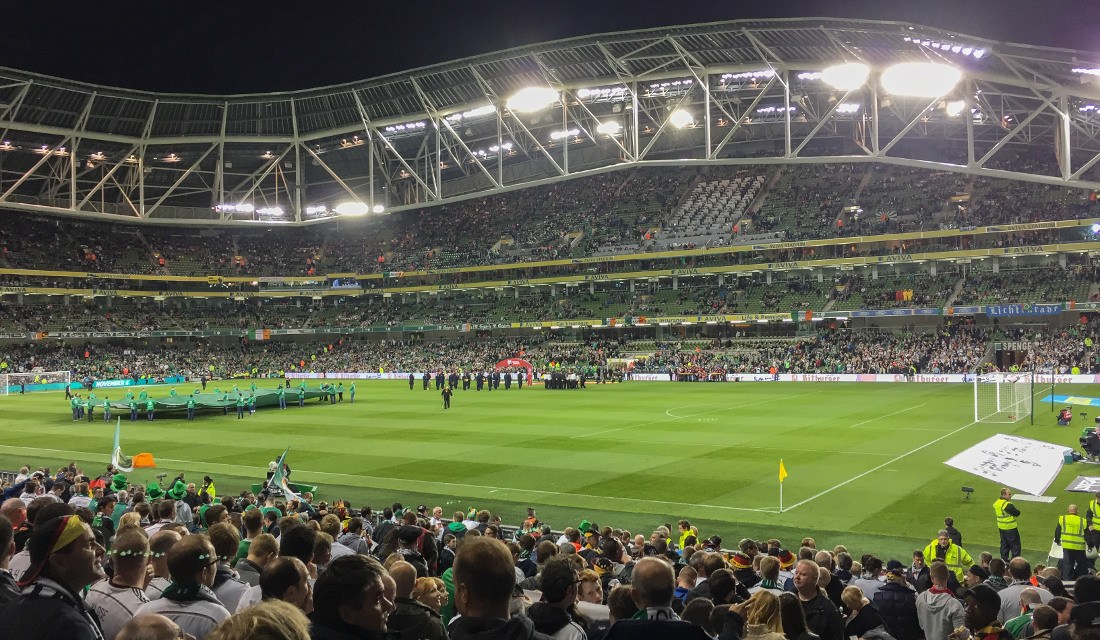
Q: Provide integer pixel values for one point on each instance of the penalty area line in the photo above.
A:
(884, 464)
(918, 406)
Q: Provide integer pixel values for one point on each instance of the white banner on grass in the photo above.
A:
(1020, 463)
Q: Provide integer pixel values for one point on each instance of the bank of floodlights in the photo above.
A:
(920, 79)
(352, 208)
(847, 76)
(532, 99)
(681, 118)
(609, 128)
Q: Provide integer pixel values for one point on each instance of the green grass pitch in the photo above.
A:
(865, 460)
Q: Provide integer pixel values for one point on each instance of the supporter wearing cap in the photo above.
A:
(897, 603)
(65, 558)
(981, 610)
(178, 492)
(407, 537)
(741, 563)
(976, 575)
(116, 600)
(188, 600)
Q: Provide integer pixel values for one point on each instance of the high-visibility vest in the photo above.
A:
(1073, 532)
(956, 559)
(1004, 520)
(1094, 507)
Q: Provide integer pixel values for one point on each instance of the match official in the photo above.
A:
(447, 393)
(1007, 513)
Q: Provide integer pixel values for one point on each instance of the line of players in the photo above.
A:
(490, 380)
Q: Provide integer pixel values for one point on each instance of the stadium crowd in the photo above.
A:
(614, 212)
(96, 557)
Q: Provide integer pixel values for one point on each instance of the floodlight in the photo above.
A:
(847, 76)
(270, 211)
(532, 99)
(1096, 228)
(316, 210)
(978, 53)
(351, 208)
(378, 208)
(920, 79)
(611, 127)
(681, 118)
(955, 107)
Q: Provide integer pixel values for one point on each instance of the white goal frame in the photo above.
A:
(1003, 397)
(10, 382)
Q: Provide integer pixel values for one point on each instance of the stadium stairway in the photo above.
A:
(955, 292)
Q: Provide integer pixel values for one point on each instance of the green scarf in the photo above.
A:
(770, 584)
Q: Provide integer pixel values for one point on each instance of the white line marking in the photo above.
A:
(374, 481)
(736, 406)
(748, 446)
(884, 464)
(888, 415)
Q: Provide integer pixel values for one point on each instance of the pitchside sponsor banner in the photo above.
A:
(881, 313)
(1021, 463)
(1085, 484)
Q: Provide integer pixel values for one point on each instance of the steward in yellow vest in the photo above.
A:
(1070, 534)
(1006, 514)
(955, 557)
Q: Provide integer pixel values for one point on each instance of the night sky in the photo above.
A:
(235, 46)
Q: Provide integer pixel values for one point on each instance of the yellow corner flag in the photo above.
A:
(782, 472)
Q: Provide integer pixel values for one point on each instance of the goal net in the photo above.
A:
(11, 383)
(1002, 397)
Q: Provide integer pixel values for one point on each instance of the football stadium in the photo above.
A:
(689, 297)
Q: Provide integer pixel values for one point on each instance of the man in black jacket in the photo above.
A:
(654, 585)
(822, 616)
(65, 558)
(410, 618)
(484, 578)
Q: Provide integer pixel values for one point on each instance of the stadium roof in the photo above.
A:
(443, 132)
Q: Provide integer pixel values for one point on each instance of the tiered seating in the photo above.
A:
(1050, 285)
(712, 210)
(890, 292)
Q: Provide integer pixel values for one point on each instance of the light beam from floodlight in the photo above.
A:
(920, 79)
(847, 76)
(681, 118)
(532, 99)
(351, 208)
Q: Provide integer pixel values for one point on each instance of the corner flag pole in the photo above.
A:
(782, 477)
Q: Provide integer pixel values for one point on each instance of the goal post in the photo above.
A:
(13, 383)
(1003, 397)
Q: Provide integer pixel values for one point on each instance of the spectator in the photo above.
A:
(410, 617)
(1043, 621)
(287, 579)
(8, 589)
(654, 586)
(897, 603)
(938, 609)
(227, 586)
(150, 626)
(269, 620)
(794, 618)
(159, 545)
(982, 607)
(188, 600)
(262, 550)
(484, 579)
(763, 617)
(65, 558)
(556, 614)
(351, 600)
(1020, 572)
(822, 616)
(116, 600)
